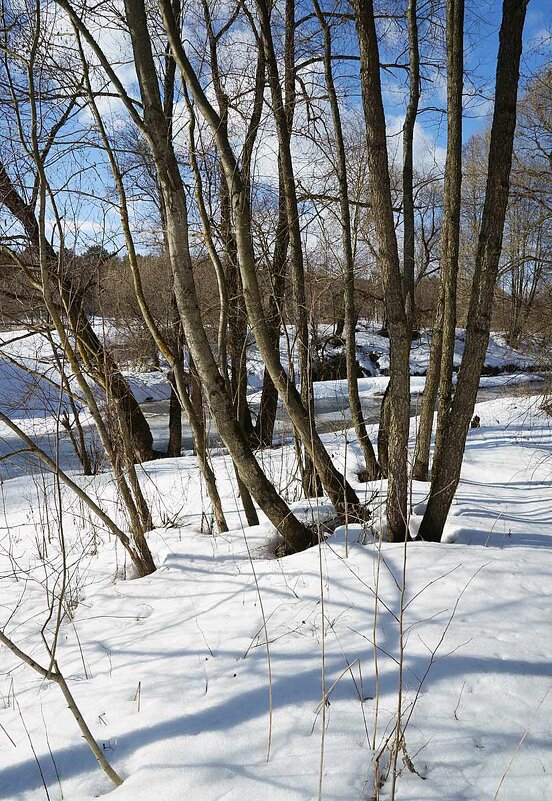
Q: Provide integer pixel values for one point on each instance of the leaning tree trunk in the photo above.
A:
(340, 492)
(448, 457)
(119, 453)
(191, 402)
(382, 210)
(104, 369)
(154, 124)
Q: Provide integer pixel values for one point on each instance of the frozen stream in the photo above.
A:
(332, 414)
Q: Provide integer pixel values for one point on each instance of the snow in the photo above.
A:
(30, 378)
(373, 354)
(376, 385)
(171, 670)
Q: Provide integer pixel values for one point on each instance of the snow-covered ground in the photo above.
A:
(373, 353)
(173, 673)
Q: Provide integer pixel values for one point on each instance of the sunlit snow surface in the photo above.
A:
(191, 636)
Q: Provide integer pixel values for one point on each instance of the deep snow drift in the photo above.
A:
(172, 671)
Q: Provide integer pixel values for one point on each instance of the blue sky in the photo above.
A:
(481, 25)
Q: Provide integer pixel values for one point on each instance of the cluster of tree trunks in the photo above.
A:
(219, 375)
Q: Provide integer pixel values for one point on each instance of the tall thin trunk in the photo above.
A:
(264, 426)
(235, 313)
(372, 470)
(439, 374)
(408, 162)
(174, 445)
(449, 455)
(452, 199)
(420, 468)
(388, 256)
(283, 122)
(50, 272)
(409, 241)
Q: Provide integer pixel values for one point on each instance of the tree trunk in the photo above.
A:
(439, 374)
(452, 200)
(388, 257)
(408, 163)
(264, 427)
(283, 119)
(174, 447)
(448, 457)
(372, 470)
(296, 535)
(383, 433)
(237, 340)
(420, 468)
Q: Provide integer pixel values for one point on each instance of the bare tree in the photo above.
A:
(46, 271)
(388, 257)
(448, 456)
(336, 486)
(439, 373)
(372, 471)
(154, 127)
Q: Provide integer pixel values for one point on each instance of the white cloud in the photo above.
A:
(428, 155)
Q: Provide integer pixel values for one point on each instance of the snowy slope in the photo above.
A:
(171, 670)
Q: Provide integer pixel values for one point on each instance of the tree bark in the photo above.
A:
(340, 492)
(264, 426)
(408, 162)
(439, 373)
(452, 201)
(448, 458)
(420, 468)
(388, 257)
(283, 119)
